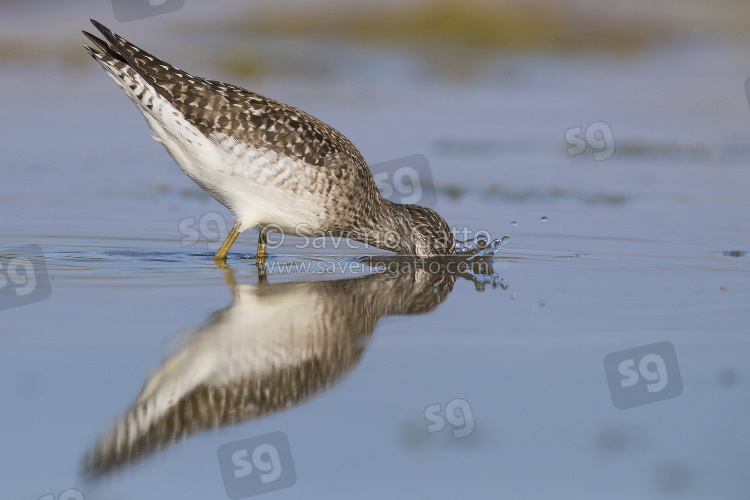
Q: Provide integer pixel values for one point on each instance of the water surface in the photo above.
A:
(649, 245)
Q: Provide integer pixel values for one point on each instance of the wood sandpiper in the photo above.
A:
(273, 165)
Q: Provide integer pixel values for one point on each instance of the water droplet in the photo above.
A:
(541, 303)
(513, 223)
(504, 240)
(544, 219)
(513, 296)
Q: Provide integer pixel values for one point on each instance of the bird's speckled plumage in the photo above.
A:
(271, 164)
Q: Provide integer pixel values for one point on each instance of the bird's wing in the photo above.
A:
(220, 110)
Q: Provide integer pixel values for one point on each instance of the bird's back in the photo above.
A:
(257, 156)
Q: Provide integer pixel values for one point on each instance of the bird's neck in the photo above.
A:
(389, 227)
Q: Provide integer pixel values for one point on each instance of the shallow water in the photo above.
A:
(649, 245)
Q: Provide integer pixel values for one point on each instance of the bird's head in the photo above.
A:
(428, 233)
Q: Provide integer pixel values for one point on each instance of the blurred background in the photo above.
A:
(499, 88)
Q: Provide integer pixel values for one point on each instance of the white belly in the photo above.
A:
(253, 183)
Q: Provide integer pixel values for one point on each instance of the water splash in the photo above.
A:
(543, 219)
(482, 280)
(480, 247)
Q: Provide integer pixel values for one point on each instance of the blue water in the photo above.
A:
(648, 245)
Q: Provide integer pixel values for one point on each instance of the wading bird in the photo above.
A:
(273, 165)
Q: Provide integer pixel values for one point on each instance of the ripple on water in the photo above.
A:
(111, 266)
(134, 266)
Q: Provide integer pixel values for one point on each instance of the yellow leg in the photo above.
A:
(231, 237)
(229, 278)
(261, 254)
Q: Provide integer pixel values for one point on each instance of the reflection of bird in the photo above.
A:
(271, 164)
(275, 346)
